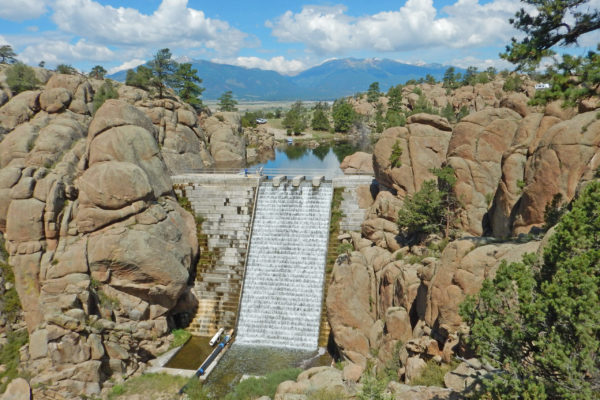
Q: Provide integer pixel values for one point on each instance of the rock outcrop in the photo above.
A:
(424, 143)
(357, 163)
(101, 250)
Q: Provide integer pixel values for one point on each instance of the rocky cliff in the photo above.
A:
(101, 251)
(394, 305)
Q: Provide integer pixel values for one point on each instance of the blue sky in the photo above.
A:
(284, 36)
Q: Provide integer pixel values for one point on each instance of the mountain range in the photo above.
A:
(327, 81)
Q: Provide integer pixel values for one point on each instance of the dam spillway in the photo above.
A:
(283, 285)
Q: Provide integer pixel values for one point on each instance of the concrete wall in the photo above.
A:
(226, 204)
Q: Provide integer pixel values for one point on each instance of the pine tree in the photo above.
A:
(394, 95)
(186, 84)
(320, 122)
(296, 118)
(7, 55)
(343, 115)
(227, 102)
(539, 325)
(98, 72)
(373, 93)
(163, 71)
(139, 78)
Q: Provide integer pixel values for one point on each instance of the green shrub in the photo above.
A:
(345, 248)
(372, 389)
(66, 69)
(512, 83)
(20, 78)
(433, 374)
(9, 356)
(105, 92)
(253, 388)
(538, 321)
(396, 155)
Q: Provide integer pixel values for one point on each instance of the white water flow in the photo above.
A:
(283, 286)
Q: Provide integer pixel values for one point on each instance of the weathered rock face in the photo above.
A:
(227, 146)
(475, 152)
(183, 142)
(100, 248)
(396, 310)
(567, 154)
(424, 142)
(460, 272)
(261, 144)
(359, 162)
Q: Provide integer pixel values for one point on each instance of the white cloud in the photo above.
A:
(173, 24)
(415, 25)
(126, 65)
(3, 41)
(279, 64)
(62, 52)
(22, 10)
(481, 65)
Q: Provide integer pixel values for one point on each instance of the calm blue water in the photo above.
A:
(299, 159)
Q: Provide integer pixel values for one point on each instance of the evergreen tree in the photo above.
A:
(373, 93)
(163, 71)
(379, 120)
(470, 76)
(448, 113)
(296, 118)
(7, 55)
(186, 84)
(139, 78)
(539, 325)
(430, 79)
(450, 78)
(227, 102)
(98, 72)
(394, 118)
(343, 115)
(432, 208)
(320, 122)
(21, 77)
(394, 95)
(557, 23)
(553, 23)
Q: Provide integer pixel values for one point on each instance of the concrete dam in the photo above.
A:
(263, 248)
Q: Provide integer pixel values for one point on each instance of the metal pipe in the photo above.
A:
(209, 360)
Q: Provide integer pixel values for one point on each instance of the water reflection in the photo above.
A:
(324, 159)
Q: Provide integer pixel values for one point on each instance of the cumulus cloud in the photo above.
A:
(59, 51)
(415, 25)
(126, 65)
(172, 24)
(279, 64)
(22, 10)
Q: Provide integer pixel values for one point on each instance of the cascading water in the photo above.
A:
(283, 286)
